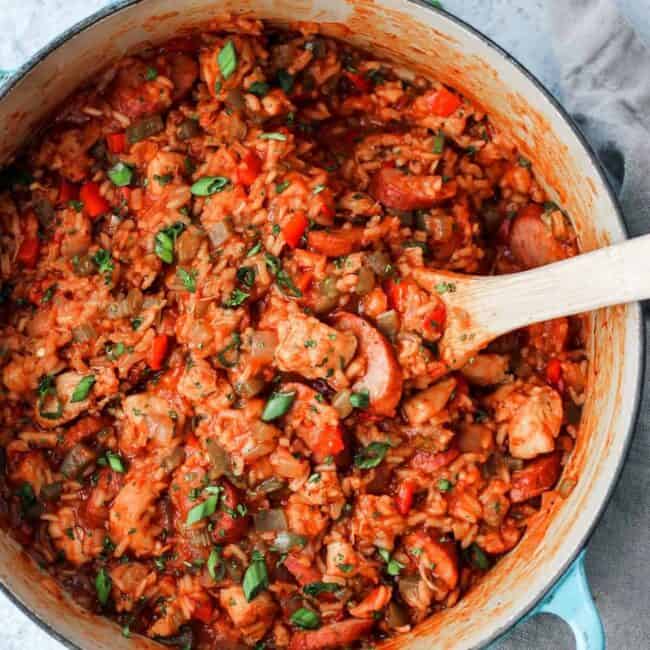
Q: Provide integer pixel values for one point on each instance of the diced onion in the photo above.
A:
(341, 403)
(270, 520)
(83, 333)
(388, 323)
(365, 281)
(219, 233)
(219, 458)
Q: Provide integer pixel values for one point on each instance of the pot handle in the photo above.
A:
(572, 601)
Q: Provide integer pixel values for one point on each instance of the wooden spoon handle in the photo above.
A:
(608, 276)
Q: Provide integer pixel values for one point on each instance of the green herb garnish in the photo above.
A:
(273, 136)
(306, 619)
(277, 405)
(360, 399)
(227, 60)
(188, 278)
(83, 388)
(120, 174)
(256, 577)
(209, 185)
(103, 584)
(372, 455)
(259, 88)
(203, 510)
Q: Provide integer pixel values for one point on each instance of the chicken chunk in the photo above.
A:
(313, 349)
(132, 518)
(377, 521)
(149, 421)
(252, 618)
(530, 416)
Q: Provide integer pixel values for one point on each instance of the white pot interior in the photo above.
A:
(434, 44)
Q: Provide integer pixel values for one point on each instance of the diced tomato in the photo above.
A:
(351, 137)
(125, 193)
(116, 142)
(158, 351)
(404, 497)
(249, 168)
(28, 252)
(428, 462)
(554, 371)
(437, 317)
(67, 192)
(231, 525)
(462, 387)
(397, 290)
(329, 443)
(304, 574)
(95, 204)
(304, 280)
(35, 293)
(294, 229)
(444, 102)
(361, 83)
(388, 164)
(182, 44)
(327, 211)
(503, 233)
(203, 612)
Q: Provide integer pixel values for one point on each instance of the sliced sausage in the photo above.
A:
(400, 191)
(538, 476)
(531, 240)
(430, 463)
(383, 376)
(184, 71)
(335, 243)
(335, 635)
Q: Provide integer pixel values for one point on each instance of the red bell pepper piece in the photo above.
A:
(203, 613)
(116, 142)
(437, 317)
(28, 252)
(404, 497)
(329, 443)
(444, 103)
(554, 372)
(294, 229)
(158, 351)
(95, 204)
(361, 83)
(249, 168)
(303, 282)
(67, 192)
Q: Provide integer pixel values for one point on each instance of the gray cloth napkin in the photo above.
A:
(605, 80)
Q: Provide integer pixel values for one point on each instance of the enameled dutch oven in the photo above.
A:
(545, 572)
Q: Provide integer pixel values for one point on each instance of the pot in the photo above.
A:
(431, 42)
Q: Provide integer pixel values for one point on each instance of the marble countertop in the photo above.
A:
(520, 26)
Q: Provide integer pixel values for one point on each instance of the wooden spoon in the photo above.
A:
(480, 308)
